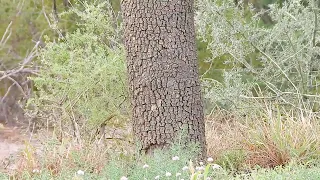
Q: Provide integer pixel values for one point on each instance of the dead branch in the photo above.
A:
(14, 80)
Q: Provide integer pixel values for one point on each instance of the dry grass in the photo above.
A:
(56, 158)
(224, 132)
(280, 137)
(56, 155)
(273, 138)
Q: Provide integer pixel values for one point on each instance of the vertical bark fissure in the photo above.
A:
(163, 71)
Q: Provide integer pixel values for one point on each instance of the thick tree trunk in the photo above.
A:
(162, 63)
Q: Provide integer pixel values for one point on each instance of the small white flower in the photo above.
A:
(145, 166)
(199, 168)
(168, 174)
(216, 166)
(201, 163)
(80, 172)
(175, 158)
(157, 177)
(181, 179)
(210, 159)
(178, 174)
(208, 178)
(185, 168)
(123, 178)
(200, 175)
(36, 171)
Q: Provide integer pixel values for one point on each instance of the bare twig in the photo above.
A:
(7, 93)
(8, 74)
(18, 85)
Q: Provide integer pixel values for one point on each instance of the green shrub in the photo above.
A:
(82, 82)
(276, 62)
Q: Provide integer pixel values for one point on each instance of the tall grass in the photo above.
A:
(273, 137)
(281, 136)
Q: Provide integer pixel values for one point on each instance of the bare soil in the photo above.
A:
(12, 141)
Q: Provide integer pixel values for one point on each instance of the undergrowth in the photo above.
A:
(68, 160)
(175, 163)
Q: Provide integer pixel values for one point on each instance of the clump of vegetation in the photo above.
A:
(272, 138)
(82, 82)
(275, 62)
(280, 137)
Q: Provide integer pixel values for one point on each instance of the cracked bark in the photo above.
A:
(162, 65)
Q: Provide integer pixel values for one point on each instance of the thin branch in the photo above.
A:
(28, 59)
(18, 85)
(277, 65)
(5, 37)
(7, 94)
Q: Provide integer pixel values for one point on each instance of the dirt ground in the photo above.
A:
(12, 141)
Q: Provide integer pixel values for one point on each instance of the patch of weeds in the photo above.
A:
(232, 160)
(165, 163)
(115, 169)
(296, 172)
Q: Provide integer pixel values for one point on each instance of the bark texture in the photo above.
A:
(162, 64)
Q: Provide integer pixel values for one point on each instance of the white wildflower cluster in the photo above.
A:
(175, 158)
(123, 178)
(36, 171)
(80, 172)
(185, 168)
(145, 166)
(199, 168)
(216, 166)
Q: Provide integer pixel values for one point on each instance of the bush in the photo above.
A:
(82, 82)
(274, 62)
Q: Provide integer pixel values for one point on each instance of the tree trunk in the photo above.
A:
(162, 65)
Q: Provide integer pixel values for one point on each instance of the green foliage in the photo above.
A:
(232, 160)
(163, 162)
(83, 73)
(277, 62)
(28, 24)
(290, 172)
